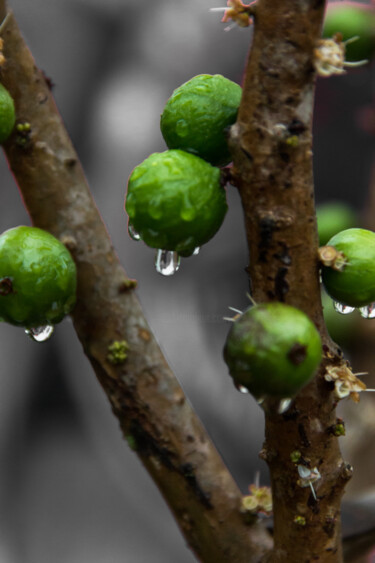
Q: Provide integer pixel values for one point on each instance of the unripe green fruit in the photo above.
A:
(354, 285)
(332, 218)
(7, 114)
(175, 201)
(273, 350)
(352, 19)
(37, 278)
(197, 114)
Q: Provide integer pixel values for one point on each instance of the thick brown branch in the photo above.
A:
(271, 144)
(145, 396)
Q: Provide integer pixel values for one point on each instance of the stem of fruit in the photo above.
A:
(144, 394)
(271, 144)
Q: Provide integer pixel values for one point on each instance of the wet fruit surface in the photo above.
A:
(197, 114)
(273, 349)
(37, 278)
(7, 114)
(355, 284)
(175, 201)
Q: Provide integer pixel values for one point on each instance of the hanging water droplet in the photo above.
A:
(196, 251)
(368, 312)
(284, 405)
(241, 388)
(167, 262)
(343, 309)
(40, 333)
(133, 233)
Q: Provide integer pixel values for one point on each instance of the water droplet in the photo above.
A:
(40, 333)
(133, 233)
(343, 309)
(182, 128)
(241, 388)
(284, 405)
(304, 472)
(368, 312)
(260, 400)
(167, 262)
(196, 251)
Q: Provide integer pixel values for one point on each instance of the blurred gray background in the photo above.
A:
(71, 490)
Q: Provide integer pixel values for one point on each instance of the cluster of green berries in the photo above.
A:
(175, 200)
(37, 278)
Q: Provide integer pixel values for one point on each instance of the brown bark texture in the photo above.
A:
(272, 152)
(152, 410)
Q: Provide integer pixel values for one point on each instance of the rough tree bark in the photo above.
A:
(276, 185)
(272, 150)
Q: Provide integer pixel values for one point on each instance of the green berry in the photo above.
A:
(197, 114)
(175, 201)
(352, 19)
(354, 285)
(273, 349)
(37, 278)
(332, 218)
(7, 114)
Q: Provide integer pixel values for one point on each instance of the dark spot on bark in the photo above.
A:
(6, 286)
(271, 179)
(70, 162)
(291, 414)
(296, 127)
(302, 434)
(285, 157)
(187, 470)
(147, 445)
(313, 504)
(288, 184)
(281, 285)
(329, 526)
(297, 354)
(267, 225)
(271, 295)
(316, 4)
(293, 44)
(247, 154)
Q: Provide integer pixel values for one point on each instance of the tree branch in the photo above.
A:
(144, 394)
(272, 148)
